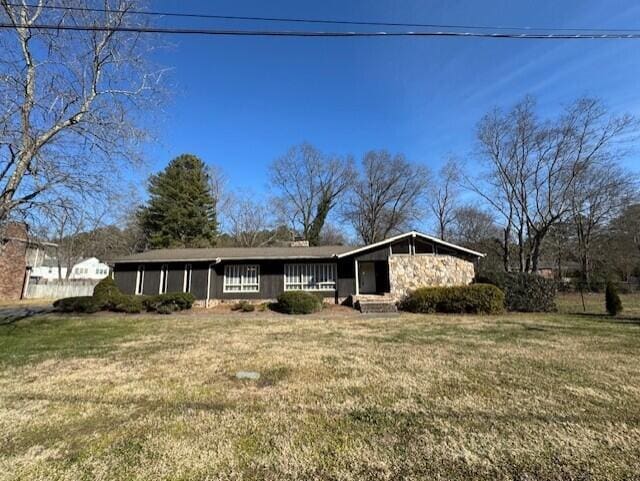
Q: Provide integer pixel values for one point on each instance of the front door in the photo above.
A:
(367, 277)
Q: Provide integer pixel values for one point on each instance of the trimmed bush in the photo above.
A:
(107, 297)
(612, 299)
(472, 299)
(124, 303)
(105, 292)
(298, 302)
(523, 291)
(243, 306)
(83, 304)
(168, 303)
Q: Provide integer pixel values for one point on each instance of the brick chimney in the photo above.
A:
(299, 243)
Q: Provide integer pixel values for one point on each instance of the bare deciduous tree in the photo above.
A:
(388, 196)
(443, 197)
(72, 101)
(309, 184)
(472, 225)
(531, 167)
(598, 196)
(250, 223)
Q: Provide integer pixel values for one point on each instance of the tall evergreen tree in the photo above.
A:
(181, 211)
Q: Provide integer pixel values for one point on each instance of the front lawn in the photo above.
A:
(515, 396)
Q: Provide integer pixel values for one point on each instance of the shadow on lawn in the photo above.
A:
(604, 318)
(157, 404)
(10, 315)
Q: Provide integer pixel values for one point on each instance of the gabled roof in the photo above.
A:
(412, 233)
(218, 254)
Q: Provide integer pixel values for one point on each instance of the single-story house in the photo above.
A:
(391, 267)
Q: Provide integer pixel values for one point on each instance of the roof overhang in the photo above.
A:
(412, 233)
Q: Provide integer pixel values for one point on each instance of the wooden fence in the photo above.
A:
(56, 290)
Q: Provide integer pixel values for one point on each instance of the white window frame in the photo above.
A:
(188, 271)
(164, 277)
(140, 280)
(305, 272)
(239, 272)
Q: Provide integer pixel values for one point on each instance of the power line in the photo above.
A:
(323, 21)
(308, 33)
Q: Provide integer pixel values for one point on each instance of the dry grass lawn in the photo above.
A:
(517, 396)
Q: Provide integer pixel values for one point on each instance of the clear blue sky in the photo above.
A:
(240, 102)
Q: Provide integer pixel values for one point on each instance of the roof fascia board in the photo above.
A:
(217, 260)
(412, 233)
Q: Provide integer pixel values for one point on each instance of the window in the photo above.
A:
(241, 278)
(164, 274)
(309, 277)
(187, 278)
(139, 280)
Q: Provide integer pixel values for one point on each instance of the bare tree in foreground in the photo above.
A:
(531, 167)
(71, 102)
(309, 184)
(443, 197)
(388, 196)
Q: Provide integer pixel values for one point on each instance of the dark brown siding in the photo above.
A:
(271, 278)
(346, 277)
(401, 246)
(199, 279)
(125, 277)
(151, 285)
(175, 280)
(379, 254)
(423, 246)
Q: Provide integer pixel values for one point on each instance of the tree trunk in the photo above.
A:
(506, 258)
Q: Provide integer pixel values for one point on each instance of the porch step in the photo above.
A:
(369, 307)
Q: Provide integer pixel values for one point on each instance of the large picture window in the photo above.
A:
(241, 278)
(309, 277)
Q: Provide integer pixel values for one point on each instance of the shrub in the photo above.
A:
(612, 299)
(84, 304)
(124, 303)
(243, 306)
(472, 299)
(106, 292)
(168, 303)
(524, 292)
(298, 302)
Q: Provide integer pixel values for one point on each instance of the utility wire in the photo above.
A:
(322, 21)
(307, 33)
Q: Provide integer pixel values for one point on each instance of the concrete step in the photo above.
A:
(370, 307)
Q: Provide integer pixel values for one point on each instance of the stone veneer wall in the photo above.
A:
(407, 273)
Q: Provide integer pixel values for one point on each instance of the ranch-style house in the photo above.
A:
(389, 268)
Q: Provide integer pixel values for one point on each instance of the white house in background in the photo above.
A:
(90, 268)
(47, 270)
(87, 269)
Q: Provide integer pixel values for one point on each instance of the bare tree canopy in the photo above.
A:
(308, 185)
(531, 167)
(72, 102)
(388, 196)
(471, 225)
(250, 223)
(443, 197)
(597, 197)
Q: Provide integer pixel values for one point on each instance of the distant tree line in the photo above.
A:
(536, 192)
